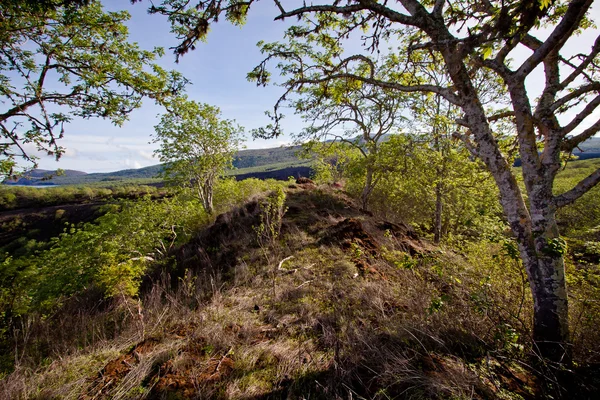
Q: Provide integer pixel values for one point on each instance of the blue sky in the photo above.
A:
(218, 71)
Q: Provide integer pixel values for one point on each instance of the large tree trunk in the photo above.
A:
(208, 196)
(534, 228)
(545, 267)
(205, 193)
(550, 321)
(209, 201)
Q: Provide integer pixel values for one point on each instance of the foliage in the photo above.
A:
(230, 193)
(584, 287)
(334, 160)
(108, 257)
(271, 216)
(112, 254)
(364, 115)
(408, 191)
(467, 42)
(63, 62)
(197, 145)
(580, 219)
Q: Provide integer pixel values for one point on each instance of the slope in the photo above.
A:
(335, 303)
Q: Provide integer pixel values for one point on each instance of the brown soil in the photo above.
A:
(349, 233)
(220, 245)
(186, 381)
(117, 369)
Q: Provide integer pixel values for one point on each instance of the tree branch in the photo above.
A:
(584, 64)
(19, 108)
(569, 22)
(571, 143)
(579, 190)
(361, 6)
(574, 94)
(501, 115)
(447, 93)
(319, 8)
(586, 112)
(438, 8)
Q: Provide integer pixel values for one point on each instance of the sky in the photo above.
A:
(217, 70)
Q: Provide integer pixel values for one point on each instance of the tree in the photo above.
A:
(197, 146)
(467, 37)
(331, 160)
(436, 186)
(452, 172)
(356, 114)
(65, 59)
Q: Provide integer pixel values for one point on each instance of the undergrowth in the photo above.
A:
(344, 306)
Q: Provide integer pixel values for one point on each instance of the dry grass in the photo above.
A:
(358, 310)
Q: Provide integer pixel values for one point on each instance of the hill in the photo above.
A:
(277, 163)
(262, 163)
(338, 304)
(592, 145)
(46, 177)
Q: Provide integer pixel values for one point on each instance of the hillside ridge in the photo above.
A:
(341, 304)
(259, 163)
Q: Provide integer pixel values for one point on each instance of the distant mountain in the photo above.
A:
(591, 145)
(48, 174)
(263, 163)
(262, 157)
(45, 177)
(585, 151)
(277, 162)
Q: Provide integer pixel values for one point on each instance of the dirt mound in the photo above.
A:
(303, 180)
(219, 246)
(348, 234)
(327, 216)
(352, 233)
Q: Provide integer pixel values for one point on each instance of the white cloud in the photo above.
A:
(129, 163)
(146, 155)
(70, 152)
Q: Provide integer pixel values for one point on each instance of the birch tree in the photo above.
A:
(197, 146)
(467, 36)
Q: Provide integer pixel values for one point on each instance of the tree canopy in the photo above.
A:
(359, 115)
(467, 40)
(197, 146)
(66, 59)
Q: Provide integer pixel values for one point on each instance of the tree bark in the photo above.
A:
(366, 193)
(546, 272)
(550, 322)
(534, 229)
(207, 197)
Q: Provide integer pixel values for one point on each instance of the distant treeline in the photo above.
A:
(580, 156)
